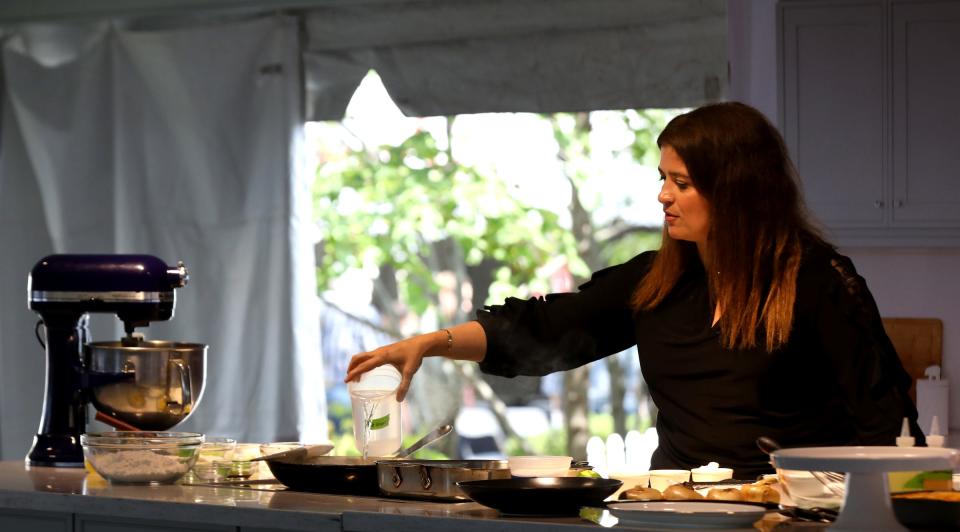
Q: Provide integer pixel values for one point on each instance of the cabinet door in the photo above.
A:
(15, 520)
(926, 114)
(90, 523)
(834, 120)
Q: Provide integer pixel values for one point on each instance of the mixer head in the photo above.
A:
(137, 288)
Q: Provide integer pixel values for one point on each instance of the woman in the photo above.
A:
(746, 322)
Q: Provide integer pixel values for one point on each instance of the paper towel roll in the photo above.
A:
(933, 400)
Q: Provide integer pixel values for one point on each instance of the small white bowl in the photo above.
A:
(630, 479)
(711, 474)
(539, 466)
(661, 479)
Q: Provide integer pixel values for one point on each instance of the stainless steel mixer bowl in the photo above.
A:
(163, 385)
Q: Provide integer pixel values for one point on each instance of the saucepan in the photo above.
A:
(341, 475)
(436, 480)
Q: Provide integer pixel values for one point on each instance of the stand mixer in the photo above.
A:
(133, 383)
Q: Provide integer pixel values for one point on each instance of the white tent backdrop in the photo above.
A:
(180, 137)
(183, 144)
(441, 57)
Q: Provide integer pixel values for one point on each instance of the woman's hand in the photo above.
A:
(466, 341)
(405, 355)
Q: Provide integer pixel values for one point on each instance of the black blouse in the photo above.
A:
(837, 381)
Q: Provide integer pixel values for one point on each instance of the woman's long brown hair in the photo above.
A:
(738, 162)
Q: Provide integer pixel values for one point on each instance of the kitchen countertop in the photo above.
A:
(72, 490)
(69, 490)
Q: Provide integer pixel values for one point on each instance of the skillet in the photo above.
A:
(540, 495)
(341, 475)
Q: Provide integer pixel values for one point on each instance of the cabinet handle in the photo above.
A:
(878, 204)
(899, 203)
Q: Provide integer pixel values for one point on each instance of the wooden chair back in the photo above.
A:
(919, 342)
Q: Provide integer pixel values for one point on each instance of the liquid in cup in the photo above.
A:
(376, 412)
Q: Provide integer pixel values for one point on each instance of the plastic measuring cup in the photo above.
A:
(376, 412)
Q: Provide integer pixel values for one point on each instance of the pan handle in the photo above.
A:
(397, 477)
(425, 479)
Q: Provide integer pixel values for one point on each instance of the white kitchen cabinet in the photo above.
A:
(870, 114)
(833, 79)
(926, 114)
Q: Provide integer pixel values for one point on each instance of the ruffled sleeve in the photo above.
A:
(562, 331)
(861, 360)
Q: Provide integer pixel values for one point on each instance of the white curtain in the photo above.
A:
(185, 144)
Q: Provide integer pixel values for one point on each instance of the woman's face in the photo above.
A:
(686, 213)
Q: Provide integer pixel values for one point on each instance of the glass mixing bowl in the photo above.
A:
(141, 457)
(812, 489)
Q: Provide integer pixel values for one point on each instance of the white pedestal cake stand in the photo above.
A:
(866, 501)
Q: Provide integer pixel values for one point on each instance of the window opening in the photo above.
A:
(420, 221)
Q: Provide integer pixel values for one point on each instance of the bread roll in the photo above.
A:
(752, 492)
(679, 492)
(771, 495)
(760, 493)
(725, 494)
(642, 494)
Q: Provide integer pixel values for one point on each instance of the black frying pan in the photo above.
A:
(341, 475)
(540, 495)
(927, 514)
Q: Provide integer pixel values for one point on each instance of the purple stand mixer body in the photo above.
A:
(62, 289)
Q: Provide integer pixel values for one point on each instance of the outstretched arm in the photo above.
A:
(466, 341)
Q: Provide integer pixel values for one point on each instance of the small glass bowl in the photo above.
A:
(246, 451)
(278, 447)
(208, 471)
(217, 448)
(273, 448)
(141, 457)
(235, 469)
(213, 449)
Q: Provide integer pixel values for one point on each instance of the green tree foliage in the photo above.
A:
(391, 205)
(404, 213)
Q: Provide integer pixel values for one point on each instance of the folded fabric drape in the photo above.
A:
(185, 144)
(443, 58)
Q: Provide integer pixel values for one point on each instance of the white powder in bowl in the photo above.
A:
(140, 466)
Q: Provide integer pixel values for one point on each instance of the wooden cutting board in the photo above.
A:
(919, 343)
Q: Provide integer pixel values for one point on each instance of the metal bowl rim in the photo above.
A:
(148, 346)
